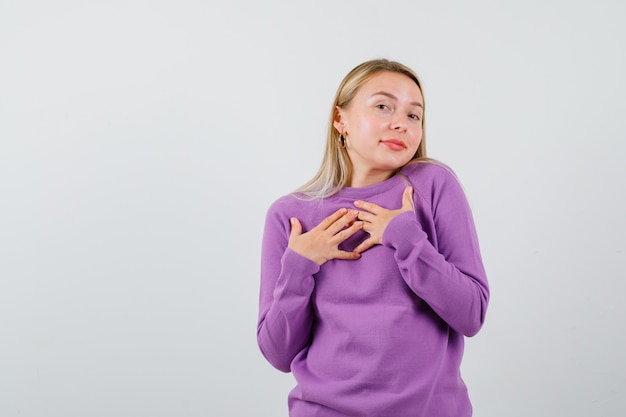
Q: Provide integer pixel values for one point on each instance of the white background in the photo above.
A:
(141, 143)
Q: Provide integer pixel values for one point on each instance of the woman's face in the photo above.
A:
(382, 125)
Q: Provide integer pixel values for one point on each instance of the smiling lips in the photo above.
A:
(394, 144)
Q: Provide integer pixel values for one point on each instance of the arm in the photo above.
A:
(285, 315)
(289, 260)
(449, 277)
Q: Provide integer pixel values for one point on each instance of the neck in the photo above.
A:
(364, 179)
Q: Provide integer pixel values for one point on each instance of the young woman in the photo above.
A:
(371, 273)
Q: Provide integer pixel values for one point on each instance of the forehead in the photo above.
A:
(394, 83)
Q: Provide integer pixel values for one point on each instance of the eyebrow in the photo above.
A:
(391, 96)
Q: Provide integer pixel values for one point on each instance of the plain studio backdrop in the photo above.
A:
(141, 143)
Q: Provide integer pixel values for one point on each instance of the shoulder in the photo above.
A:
(429, 173)
(294, 204)
(282, 205)
(277, 218)
(288, 206)
(433, 180)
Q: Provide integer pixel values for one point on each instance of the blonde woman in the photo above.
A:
(371, 273)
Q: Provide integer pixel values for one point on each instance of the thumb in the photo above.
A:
(296, 227)
(407, 199)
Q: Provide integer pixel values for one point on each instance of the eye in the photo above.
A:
(382, 106)
(414, 117)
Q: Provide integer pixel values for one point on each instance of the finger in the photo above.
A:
(407, 199)
(366, 216)
(296, 228)
(344, 221)
(365, 245)
(346, 233)
(341, 254)
(367, 206)
(369, 228)
(330, 220)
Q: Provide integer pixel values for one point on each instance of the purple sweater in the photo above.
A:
(381, 336)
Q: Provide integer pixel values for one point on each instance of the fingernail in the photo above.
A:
(357, 203)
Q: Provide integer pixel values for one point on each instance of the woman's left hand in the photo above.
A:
(376, 218)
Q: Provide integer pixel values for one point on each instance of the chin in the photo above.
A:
(397, 164)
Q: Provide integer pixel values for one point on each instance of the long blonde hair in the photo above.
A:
(336, 169)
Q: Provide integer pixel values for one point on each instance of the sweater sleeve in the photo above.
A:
(285, 315)
(448, 275)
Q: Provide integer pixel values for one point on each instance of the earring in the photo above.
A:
(342, 141)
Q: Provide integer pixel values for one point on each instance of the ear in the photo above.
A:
(338, 120)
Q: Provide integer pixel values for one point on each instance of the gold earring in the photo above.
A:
(342, 141)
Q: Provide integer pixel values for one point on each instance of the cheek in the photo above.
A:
(416, 137)
(369, 122)
(364, 125)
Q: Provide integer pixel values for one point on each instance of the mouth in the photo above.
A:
(394, 144)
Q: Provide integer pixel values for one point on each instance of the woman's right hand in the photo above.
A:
(321, 243)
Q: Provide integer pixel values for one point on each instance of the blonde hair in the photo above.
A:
(336, 169)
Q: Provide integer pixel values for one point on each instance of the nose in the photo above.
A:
(398, 123)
